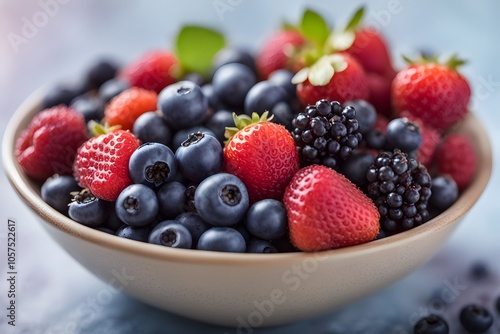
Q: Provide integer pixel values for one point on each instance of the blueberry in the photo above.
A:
(214, 102)
(193, 222)
(356, 167)
(56, 192)
(199, 156)
(111, 88)
(137, 205)
(283, 114)
(150, 127)
(266, 219)
(260, 246)
(432, 324)
(264, 96)
(100, 72)
(89, 106)
(476, 318)
(183, 135)
(61, 94)
(171, 199)
(88, 209)
(138, 233)
(152, 164)
(403, 134)
(183, 105)
(283, 78)
(365, 114)
(105, 230)
(113, 222)
(231, 83)
(231, 56)
(222, 239)
(444, 192)
(218, 123)
(479, 271)
(170, 233)
(375, 139)
(221, 199)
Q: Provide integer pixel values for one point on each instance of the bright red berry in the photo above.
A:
(456, 157)
(379, 89)
(277, 51)
(435, 93)
(370, 49)
(101, 163)
(153, 71)
(127, 106)
(49, 144)
(325, 210)
(346, 84)
(263, 155)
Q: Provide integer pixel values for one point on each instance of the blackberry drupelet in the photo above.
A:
(400, 187)
(326, 133)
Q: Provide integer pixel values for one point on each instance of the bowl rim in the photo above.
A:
(19, 182)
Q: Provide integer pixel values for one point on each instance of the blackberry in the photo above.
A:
(326, 133)
(400, 187)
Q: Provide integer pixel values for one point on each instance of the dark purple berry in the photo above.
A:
(170, 233)
(404, 135)
(476, 318)
(151, 128)
(432, 324)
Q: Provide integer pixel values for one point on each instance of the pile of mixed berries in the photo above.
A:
(314, 143)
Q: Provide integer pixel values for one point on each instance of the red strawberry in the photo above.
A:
(337, 77)
(101, 163)
(49, 144)
(456, 157)
(262, 154)
(366, 44)
(325, 210)
(370, 49)
(430, 140)
(435, 93)
(380, 93)
(153, 71)
(127, 106)
(276, 51)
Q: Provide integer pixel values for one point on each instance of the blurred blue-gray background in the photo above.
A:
(70, 34)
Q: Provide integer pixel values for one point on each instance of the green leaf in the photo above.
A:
(196, 47)
(455, 62)
(356, 19)
(314, 27)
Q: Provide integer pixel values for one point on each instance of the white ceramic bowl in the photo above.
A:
(245, 290)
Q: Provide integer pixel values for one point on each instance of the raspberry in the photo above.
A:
(400, 187)
(457, 158)
(127, 106)
(49, 144)
(155, 70)
(326, 133)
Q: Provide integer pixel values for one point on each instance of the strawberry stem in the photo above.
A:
(242, 121)
(356, 19)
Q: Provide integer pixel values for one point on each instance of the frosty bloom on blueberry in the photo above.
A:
(316, 142)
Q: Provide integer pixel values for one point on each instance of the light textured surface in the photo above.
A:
(57, 295)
